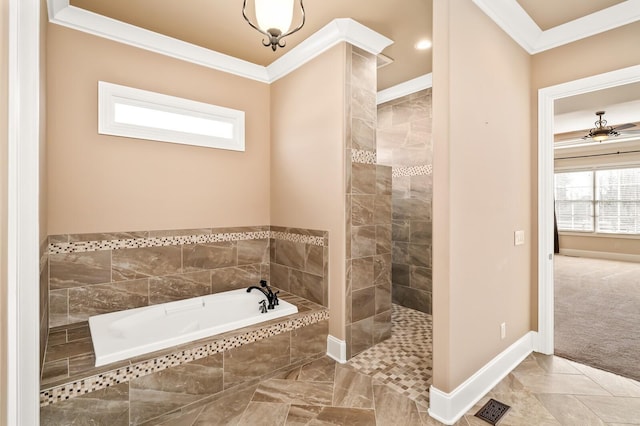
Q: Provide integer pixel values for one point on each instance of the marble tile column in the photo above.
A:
(368, 203)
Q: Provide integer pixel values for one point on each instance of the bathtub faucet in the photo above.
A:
(272, 297)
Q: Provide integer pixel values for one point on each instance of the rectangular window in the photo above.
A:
(602, 201)
(574, 201)
(125, 111)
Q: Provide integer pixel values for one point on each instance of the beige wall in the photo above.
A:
(615, 49)
(482, 175)
(103, 183)
(4, 64)
(307, 161)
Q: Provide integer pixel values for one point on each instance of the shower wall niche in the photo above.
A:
(404, 142)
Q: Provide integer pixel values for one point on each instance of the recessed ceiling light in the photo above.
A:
(423, 44)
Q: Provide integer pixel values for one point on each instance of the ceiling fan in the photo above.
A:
(600, 132)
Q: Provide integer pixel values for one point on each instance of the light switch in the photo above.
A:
(518, 238)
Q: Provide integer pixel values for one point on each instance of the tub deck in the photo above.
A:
(70, 361)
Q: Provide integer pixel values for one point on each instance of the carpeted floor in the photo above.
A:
(597, 313)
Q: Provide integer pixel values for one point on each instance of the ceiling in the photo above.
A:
(218, 25)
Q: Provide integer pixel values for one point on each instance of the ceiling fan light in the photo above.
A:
(274, 14)
(600, 138)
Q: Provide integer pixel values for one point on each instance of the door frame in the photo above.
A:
(546, 98)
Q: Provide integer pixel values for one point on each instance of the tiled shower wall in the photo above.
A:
(405, 143)
(44, 298)
(368, 201)
(91, 274)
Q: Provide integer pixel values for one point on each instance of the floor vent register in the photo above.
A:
(492, 411)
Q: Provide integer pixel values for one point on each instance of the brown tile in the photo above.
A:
(104, 298)
(383, 180)
(363, 241)
(383, 299)
(79, 332)
(306, 285)
(226, 410)
(108, 406)
(136, 263)
(58, 307)
(314, 259)
(161, 392)
(209, 256)
(567, 409)
(382, 327)
(320, 370)
(294, 392)
(225, 279)
(560, 383)
(420, 232)
(179, 232)
(362, 210)
(363, 134)
(289, 253)
(107, 236)
(401, 274)
(420, 255)
(382, 270)
(55, 370)
(81, 363)
(394, 408)
(382, 210)
(362, 273)
(363, 304)
(383, 239)
(363, 69)
(179, 287)
(352, 389)
(255, 359)
(412, 298)
(400, 252)
(80, 347)
(401, 230)
(613, 409)
(363, 179)
(421, 278)
(363, 103)
(317, 415)
(54, 239)
(361, 335)
(253, 251)
(279, 276)
(57, 338)
(79, 269)
(264, 413)
(308, 341)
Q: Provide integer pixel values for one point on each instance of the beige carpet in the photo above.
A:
(597, 313)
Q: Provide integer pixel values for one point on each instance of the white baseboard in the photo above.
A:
(448, 408)
(624, 257)
(337, 349)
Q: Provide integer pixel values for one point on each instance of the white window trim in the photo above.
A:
(109, 95)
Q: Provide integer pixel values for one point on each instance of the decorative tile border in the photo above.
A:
(124, 374)
(363, 157)
(85, 246)
(426, 169)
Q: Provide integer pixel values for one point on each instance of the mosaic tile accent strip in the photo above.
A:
(124, 374)
(363, 157)
(86, 246)
(403, 362)
(426, 169)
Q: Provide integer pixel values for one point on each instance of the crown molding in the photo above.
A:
(403, 89)
(512, 18)
(338, 30)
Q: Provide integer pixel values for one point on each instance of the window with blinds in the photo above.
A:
(602, 201)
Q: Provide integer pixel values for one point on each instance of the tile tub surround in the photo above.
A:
(405, 143)
(91, 274)
(238, 357)
(368, 215)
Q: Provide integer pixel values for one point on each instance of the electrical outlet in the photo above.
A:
(518, 238)
(503, 330)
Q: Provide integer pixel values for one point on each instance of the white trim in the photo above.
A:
(337, 349)
(624, 257)
(338, 30)
(546, 97)
(111, 96)
(448, 408)
(510, 16)
(23, 263)
(403, 89)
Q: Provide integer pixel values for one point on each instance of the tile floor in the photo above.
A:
(385, 386)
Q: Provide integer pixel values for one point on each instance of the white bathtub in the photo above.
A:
(124, 334)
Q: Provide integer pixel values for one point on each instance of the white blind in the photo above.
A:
(574, 201)
(618, 201)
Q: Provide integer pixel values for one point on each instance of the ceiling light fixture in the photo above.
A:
(423, 44)
(274, 20)
(601, 132)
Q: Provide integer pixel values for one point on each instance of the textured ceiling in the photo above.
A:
(218, 25)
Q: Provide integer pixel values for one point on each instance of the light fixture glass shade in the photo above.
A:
(274, 14)
(600, 138)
